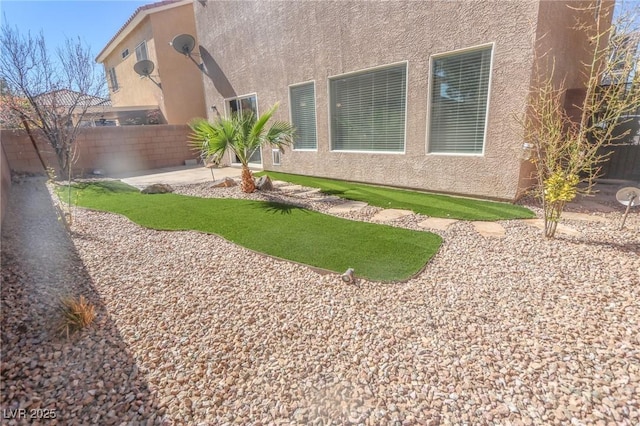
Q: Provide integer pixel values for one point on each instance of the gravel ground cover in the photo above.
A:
(192, 329)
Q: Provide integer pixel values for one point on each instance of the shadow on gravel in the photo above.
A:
(626, 247)
(89, 379)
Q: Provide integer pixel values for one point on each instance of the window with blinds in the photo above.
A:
(141, 51)
(459, 98)
(303, 115)
(113, 79)
(368, 110)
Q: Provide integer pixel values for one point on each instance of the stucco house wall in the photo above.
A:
(181, 96)
(263, 47)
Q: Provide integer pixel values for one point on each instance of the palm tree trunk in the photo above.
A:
(248, 185)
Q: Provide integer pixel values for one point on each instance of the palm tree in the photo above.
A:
(243, 134)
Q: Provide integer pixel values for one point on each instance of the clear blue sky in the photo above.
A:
(94, 21)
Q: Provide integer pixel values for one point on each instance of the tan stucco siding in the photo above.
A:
(134, 90)
(181, 96)
(181, 79)
(264, 47)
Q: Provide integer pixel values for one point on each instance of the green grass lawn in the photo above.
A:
(433, 205)
(376, 252)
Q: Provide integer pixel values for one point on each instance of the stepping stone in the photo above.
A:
(290, 188)
(489, 229)
(561, 229)
(309, 193)
(438, 223)
(326, 198)
(390, 214)
(346, 207)
(583, 216)
(280, 183)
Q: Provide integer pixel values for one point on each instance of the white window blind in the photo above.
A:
(114, 79)
(459, 96)
(303, 116)
(141, 51)
(368, 110)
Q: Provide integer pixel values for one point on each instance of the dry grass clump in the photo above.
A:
(77, 313)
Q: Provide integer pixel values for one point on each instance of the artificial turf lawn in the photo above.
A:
(434, 205)
(376, 252)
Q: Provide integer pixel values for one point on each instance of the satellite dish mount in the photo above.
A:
(630, 197)
(184, 44)
(144, 68)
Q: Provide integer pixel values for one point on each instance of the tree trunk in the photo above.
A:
(248, 185)
(552, 212)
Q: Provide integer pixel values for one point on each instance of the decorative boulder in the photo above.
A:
(225, 183)
(264, 184)
(157, 188)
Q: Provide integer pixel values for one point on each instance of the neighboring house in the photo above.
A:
(73, 106)
(97, 111)
(410, 94)
(178, 93)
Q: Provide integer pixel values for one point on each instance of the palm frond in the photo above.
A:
(243, 134)
(280, 134)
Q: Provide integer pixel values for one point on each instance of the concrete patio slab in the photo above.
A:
(489, 229)
(561, 229)
(348, 206)
(437, 223)
(390, 214)
(178, 176)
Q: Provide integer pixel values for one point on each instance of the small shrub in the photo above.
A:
(77, 313)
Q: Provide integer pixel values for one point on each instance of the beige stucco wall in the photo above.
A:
(182, 85)
(263, 47)
(181, 97)
(560, 40)
(133, 90)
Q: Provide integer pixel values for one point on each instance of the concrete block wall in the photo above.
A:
(5, 187)
(110, 149)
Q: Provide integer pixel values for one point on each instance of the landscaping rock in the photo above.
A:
(264, 184)
(225, 183)
(157, 188)
(194, 329)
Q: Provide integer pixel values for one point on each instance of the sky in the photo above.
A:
(94, 21)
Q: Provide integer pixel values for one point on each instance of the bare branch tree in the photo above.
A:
(567, 151)
(48, 94)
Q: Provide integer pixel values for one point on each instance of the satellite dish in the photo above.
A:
(183, 43)
(629, 197)
(144, 67)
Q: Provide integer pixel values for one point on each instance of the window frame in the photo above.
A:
(406, 102)
(275, 153)
(315, 113)
(125, 53)
(111, 72)
(146, 52)
(483, 46)
(227, 113)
